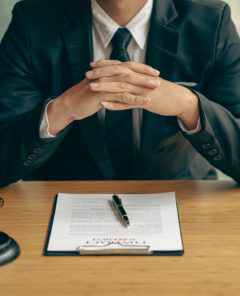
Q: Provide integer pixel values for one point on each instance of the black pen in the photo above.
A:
(122, 213)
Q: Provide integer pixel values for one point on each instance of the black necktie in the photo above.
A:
(120, 43)
(119, 123)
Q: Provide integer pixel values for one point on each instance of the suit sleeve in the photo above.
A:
(219, 139)
(21, 106)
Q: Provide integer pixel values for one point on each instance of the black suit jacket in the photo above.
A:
(47, 49)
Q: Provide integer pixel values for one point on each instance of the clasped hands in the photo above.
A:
(135, 85)
(119, 86)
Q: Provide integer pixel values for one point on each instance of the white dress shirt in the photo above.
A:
(103, 29)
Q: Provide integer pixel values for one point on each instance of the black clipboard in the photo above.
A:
(46, 252)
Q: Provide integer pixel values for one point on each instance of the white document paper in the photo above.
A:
(90, 219)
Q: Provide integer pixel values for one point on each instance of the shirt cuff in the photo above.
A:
(187, 131)
(44, 125)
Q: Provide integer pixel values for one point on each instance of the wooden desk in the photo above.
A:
(210, 221)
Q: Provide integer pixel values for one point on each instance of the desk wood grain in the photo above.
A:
(210, 222)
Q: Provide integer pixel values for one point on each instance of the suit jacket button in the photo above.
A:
(31, 156)
(218, 157)
(27, 162)
(212, 152)
(37, 150)
(206, 146)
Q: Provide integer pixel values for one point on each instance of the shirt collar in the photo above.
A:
(107, 27)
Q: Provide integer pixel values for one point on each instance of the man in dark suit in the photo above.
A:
(180, 125)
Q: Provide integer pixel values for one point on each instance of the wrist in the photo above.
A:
(58, 116)
(190, 113)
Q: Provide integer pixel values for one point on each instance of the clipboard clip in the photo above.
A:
(114, 248)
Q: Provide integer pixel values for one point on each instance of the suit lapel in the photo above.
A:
(77, 38)
(161, 55)
(162, 39)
